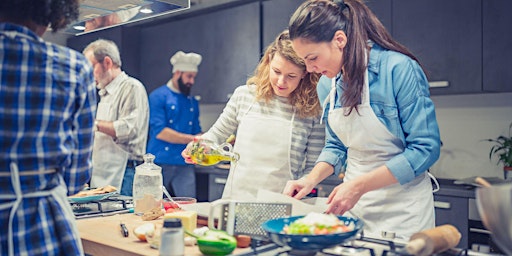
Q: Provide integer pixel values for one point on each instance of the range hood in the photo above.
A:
(100, 14)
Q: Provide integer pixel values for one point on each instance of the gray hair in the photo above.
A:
(102, 48)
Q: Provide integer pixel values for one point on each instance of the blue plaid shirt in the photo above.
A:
(47, 109)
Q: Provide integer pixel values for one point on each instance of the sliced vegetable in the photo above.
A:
(215, 242)
(140, 231)
(317, 224)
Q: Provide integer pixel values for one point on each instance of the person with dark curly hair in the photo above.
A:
(47, 109)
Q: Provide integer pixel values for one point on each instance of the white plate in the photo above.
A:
(87, 199)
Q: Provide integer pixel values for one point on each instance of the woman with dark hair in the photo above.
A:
(47, 109)
(276, 117)
(381, 122)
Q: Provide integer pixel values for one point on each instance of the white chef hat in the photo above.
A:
(186, 62)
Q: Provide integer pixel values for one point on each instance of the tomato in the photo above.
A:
(170, 205)
(172, 210)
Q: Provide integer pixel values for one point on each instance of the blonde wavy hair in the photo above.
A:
(304, 98)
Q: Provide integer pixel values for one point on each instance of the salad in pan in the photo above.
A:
(318, 224)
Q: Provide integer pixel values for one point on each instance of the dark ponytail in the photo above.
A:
(318, 21)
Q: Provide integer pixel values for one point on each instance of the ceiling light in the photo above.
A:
(146, 10)
(79, 27)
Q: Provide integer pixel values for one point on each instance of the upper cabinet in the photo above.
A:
(446, 36)
(275, 17)
(382, 8)
(462, 44)
(227, 39)
(497, 42)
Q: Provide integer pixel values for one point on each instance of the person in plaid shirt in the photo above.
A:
(47, 109)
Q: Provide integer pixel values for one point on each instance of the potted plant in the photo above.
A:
(502, 148)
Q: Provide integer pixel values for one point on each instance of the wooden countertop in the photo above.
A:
(102, 236)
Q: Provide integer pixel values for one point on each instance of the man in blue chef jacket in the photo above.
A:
(174, 122)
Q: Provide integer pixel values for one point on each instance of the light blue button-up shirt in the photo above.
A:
(400, 97)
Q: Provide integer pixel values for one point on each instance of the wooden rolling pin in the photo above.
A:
(431, 241)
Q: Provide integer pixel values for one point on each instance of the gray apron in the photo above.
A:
(399, 209)
(108, 159)
(263, 142)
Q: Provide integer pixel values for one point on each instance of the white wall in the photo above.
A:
(465, 121)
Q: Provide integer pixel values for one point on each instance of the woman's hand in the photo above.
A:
(344, 197)
(298, 188)
(186, 154)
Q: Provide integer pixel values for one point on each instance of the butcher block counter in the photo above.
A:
(102, 236)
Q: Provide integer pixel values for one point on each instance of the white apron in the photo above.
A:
(108, 159)
(263, 142)
(399, 209)
(58, 193)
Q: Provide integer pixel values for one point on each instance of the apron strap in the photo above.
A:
(18, 196)
(437, 188)
(15, 179)
(330, 98)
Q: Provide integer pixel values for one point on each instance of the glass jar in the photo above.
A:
(147, 185)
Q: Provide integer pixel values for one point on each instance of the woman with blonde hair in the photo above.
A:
(276, 119)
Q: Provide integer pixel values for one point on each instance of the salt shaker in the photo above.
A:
(172, 238)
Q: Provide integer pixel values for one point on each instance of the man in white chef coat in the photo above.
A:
(174, 121)
(121, 121)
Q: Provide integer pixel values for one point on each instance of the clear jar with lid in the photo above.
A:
(147, 185)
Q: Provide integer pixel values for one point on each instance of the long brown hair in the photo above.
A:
(318, 20)
(304, 98)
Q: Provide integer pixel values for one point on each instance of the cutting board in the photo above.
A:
(102, 236)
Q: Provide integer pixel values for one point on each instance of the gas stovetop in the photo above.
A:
(361, 246)
(113, 205)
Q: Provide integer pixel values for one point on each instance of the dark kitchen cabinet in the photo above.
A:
(210, 182)
(80, 42)
(382, 8)
(228, 40)
(123, 37)
(446, 36)
(453, 210)
(497, 40)
(275, 17)
(216, 184)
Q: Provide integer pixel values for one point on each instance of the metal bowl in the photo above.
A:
(495, 207)
(274, 228)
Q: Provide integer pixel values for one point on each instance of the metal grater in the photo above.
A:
(245, 218)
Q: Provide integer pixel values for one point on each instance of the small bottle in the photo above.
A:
(172, 238)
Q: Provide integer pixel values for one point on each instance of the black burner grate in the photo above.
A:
(111, 205)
